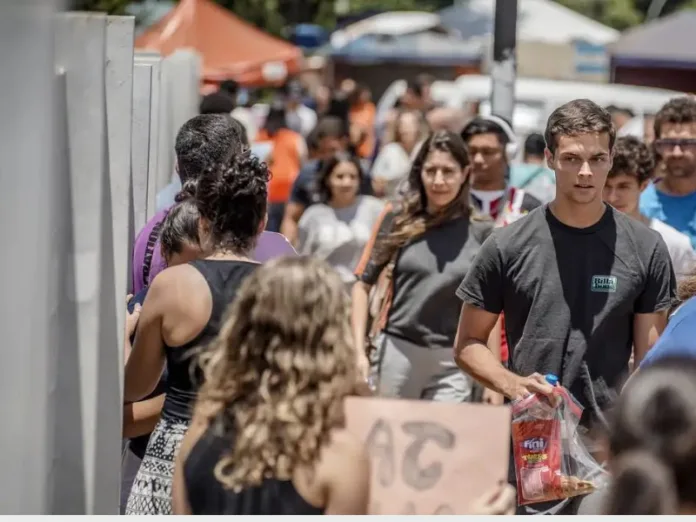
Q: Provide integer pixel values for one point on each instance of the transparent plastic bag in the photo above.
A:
(551, 462)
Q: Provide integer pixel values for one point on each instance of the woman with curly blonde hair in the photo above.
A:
(267, 436)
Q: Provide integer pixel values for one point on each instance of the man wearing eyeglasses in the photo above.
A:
(672, 199)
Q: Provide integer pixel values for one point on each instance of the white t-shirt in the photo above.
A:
(679, 247)
(302, 120)
(339, 235)
(393, 164)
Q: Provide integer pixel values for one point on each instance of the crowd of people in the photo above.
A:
(417, 259)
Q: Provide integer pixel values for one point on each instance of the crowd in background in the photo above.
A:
(444, 259)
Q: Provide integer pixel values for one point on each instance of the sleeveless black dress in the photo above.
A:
(151, 493)
(207, 496)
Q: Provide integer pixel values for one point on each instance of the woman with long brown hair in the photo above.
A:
(424, 247)
(267, 436)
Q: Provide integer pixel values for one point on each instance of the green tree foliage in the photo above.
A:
(274, 15)
(112, 7)
(622, 14)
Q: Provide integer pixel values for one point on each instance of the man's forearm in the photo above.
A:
(477, 360)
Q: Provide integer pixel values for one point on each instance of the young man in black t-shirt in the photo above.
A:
(581, 284)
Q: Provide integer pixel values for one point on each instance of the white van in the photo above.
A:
(535, 99)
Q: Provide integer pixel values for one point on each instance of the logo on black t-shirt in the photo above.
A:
(602, 283)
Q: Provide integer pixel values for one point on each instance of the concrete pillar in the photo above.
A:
(81, 52)
(153, 62)
(140, 148)
(181, 75)
(119, 104)
(31, 254)
(182, 70)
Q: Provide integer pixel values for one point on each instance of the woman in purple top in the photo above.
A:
(204, 139)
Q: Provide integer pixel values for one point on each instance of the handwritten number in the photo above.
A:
(424, 478)
(380, 442)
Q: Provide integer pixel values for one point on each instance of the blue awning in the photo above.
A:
(429, 47)
(309, 36)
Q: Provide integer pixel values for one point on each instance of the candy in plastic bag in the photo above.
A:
(551, 463)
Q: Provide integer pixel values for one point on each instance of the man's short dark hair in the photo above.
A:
(230, 87)
(633, 158)
(484, 126)
(578, 117)
(415, 87)
(677, 110)
(204, 140)
(330, 127)
(219, 102)
(534, 145)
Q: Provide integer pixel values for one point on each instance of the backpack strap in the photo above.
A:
(150, 249)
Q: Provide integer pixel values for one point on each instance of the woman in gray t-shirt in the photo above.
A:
(432, 240)
(337, 229)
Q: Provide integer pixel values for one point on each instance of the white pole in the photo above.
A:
(504, 68)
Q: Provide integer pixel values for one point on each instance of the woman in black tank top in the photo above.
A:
(267, 436)
(183, 311)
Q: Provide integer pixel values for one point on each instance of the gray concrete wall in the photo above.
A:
(35, 319)
(87, 141)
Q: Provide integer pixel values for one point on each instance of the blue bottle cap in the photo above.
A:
(551, 379)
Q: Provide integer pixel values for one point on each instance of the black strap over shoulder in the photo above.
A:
(150, 250)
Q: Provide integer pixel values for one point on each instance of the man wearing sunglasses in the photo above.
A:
(672, 199)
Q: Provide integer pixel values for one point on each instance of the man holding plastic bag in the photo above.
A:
(582, 287)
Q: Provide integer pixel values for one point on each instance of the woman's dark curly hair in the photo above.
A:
(327, 168)
(181, 224)
(633, 158)
(231, 196)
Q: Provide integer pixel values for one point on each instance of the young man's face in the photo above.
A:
(677, 147)
(581, 164)
(487, 156)
(622, 191)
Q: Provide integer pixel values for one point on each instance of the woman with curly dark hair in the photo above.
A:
(424, 246)
(183, 310)
(267, 436)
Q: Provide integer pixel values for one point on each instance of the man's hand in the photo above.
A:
(522, 387)
(132, 318)
(363, 367)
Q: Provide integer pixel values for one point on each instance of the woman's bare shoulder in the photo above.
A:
(344, 449)
(172, 280)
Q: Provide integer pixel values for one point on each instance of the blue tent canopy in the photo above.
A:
(309, 36)
(430, 47)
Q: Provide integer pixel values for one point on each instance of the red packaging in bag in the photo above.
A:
(538, 452)
(550, 462)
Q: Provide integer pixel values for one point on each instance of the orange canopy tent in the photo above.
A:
(231, 48)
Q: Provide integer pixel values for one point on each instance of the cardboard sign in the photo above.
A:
(430, 458)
